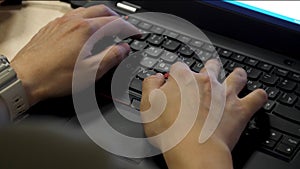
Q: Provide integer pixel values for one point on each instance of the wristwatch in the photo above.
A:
(12, 91)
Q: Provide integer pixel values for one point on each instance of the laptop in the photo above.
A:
(262, 37)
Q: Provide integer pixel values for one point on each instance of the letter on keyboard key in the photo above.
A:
(288, 99)
(253, 85)
(153, 51)
(138, 45)
(155, 39)
(285, 149)
(162, 67)
(145, 73)
(148, 62)
(171, 45)
(272, 92)
(287, 85)
(269, 79)
(253, 73)
(169, 57)
(197, 67)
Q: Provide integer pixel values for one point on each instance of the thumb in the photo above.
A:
(113, 56)
(149, 84)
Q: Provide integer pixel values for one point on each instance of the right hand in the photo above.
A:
(238, 112)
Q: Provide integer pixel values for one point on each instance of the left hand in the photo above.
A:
(45, 65)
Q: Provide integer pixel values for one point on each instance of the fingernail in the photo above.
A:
(124, 49)
(159, 75)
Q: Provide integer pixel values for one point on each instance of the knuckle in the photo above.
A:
(204, 78)
(62, 20)
(82, 23)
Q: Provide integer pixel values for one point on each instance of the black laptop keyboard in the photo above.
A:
(283, 87)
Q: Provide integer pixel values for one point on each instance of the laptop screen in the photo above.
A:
(282, 13)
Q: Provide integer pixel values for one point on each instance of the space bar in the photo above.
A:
(284, 125)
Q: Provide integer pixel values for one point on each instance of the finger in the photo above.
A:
(212, 67)
(181, 72)
(236, 81)
(113, 25)
(149, 84)
(254, 101)
(112, 57)
(95, 11)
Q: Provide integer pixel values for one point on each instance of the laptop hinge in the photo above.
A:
(128, 6)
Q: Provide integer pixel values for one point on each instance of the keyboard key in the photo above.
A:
(145, 73)
(264, 66)
(287, 112)
(196, 43)
(275, 135)
(253, 73)
(285, 149)
(184, 39)
(136, 85)
(158, 30)
(251, 62)
(238, 57)
(284, 125)
(162, 67)
(202, 56)
(144, 36)
(153, 51)
(287, 85)
(138, 45)
(269, 105)
(288, 99)
(171, 34)
(155, 39)
(185, 51)
(269, 79)
(169, 56)
(171, 45)
(209, 48)
(253, 85)
(197, 67)
(135, 104)
(188, 61)
(225, 53)
(224, 61)
(281, 72)
(270, 144)
(272, 93)
(294, 76)
(148, 62)
(144, 25)
(230, 67)
(133, 21)
(290, 141)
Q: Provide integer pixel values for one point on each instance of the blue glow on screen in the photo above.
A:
(273, 14)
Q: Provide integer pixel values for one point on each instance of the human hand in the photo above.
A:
(189, 153)
(45, 65)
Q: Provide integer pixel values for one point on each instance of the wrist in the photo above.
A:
(32, 91)
(191, 154)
